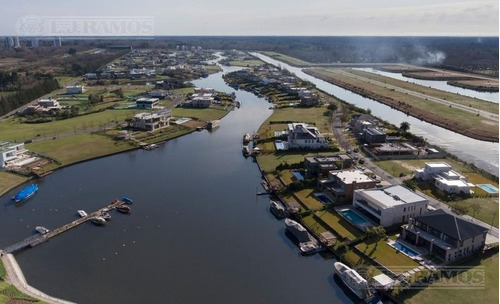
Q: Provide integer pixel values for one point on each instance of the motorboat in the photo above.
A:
(127, 200)
(353, 280)
(123, 209)
(25, 193)
(298, 231)
(41, 230)
(246, 138)
(277, 209)
(213, 124)
(105, 215)
(246, 151)
(98, 220)
(82, 213)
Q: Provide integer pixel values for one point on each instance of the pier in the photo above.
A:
(37, 239)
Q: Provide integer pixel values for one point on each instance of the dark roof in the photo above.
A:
(451, 225)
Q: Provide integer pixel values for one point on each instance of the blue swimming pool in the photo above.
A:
(323, 198)
(405, 249)
(182, 120)
(353, 217)
(488, 188)
(298, 175)
(279, 145)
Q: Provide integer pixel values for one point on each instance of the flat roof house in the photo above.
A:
(446, 236)
(199, 102)
(10, 152)
(389, 206)
(147, 103)
(444, 178)
(157, 94)
(74, 89)
(301, 135)
(321, 164)
(374, 135)
(152, 121)
(341, 184)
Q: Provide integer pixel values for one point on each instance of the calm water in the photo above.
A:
(437, 84)
(483, 154)
(197, 232)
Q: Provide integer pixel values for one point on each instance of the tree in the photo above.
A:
(72, 51)
(404, 126)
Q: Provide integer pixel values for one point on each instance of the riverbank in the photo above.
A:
(453, 119)
(476, 85)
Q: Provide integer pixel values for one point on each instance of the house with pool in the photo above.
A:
(341, 184)
(389, 206)
(444, 235)
(444, 178)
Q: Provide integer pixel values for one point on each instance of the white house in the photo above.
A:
(10, 152)
(75, 89)
(152, 121)
(444, 178)
(301, 135)
(389, 206)
(146, 103)
(199, 102)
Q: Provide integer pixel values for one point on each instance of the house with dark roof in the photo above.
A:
(301, 136)
(445, 235)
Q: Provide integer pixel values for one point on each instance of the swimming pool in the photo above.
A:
(182, 120)
(488, 188)
(323, 198)
(353, 217)
(279, 145)
(405, 249)
(298, 175)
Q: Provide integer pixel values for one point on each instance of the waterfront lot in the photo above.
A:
(246, 63)
(9, 180)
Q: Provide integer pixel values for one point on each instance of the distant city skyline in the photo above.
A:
(276, 17)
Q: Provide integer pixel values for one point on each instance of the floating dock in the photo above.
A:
(37, 239)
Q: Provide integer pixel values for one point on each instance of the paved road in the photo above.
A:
(484, 114)
(369, 164)
(16, 277)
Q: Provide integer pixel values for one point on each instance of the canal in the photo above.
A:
(482, 154)
(197, 232)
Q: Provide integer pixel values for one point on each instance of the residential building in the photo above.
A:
(157, 94)
(374, 135)
(152, 121)
(57, 42)
(301, 135)
(204, 90)
(320, 165)
(444, 235)
(199, 102)
(147, 103)
(309, 101)
(389, 206)
(444, 178)
(363, 121)
(77, 89)
(9, 42)
(10, 152)
(49, 104)
(90, 76)
(342, 183)
(17, 44)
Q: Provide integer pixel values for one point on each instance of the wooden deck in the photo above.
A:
(37, 239)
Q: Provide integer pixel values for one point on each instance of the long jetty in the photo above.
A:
(34, 240)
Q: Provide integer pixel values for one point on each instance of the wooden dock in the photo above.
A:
(37, 239)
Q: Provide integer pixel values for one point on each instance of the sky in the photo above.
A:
(256, 17)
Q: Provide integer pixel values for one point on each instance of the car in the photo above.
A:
(355, 150)
(348, 151)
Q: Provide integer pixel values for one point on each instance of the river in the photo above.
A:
(482, 154)
(197, 232)
(437, 84)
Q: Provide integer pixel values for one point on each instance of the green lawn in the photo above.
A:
(315, 115)
(387, 256)
(246, 63)
(307, 198)
(202, 114)
(339, 225)
(7, 181)
(80, 147)
(489, 294)
(287, 59)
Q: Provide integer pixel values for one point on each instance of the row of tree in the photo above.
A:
(20, 98)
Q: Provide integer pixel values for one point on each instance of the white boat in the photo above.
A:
(246, 138)
(41, 230)
(277, 209)
(298, 231)
(355, 282)
(82, 213)
(105, 215)
(311, 247)
(98, 220)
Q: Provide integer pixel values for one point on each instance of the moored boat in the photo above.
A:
(41, 230)
(246, 138)
(277, 209)
(98, 220)
(213, 124)
(82, 213)
(298, 231)
(105, 215)
(25, 193)
(353, 280)
(246, 151)
(127, 200)
(123, 209)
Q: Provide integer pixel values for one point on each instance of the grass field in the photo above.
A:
(387, 256)
(307, 198)
(80, 147)
(488, 294)
(319, 116)
(202, 114)
(339, 225)
(9, 180)
(287, 59)
(246, 63)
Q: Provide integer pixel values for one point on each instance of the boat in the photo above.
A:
(277, 209)
(105, 215)
(82, 213)
(246, 151)
(123, 209)
(238, 104)
(151, 147)
(246, 138)
(41, 230)
(213, 124)
(256, 150)
(298, 231)
(127, 200)
(311, 247)
(353, 280)
(25, 193)
(98, 220)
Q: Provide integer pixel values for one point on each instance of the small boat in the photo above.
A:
(238, 104)
(311, 247)
(82, 213)
(355, 282)
(127, 200)
(277, 209)
(246, 151)
(151, 147)
(25, 193)
(41, 230)
(98, 220)
(123, 209)
(105, 215)
(246, 138)
(256, 150)
(298, 231)
(213, 124)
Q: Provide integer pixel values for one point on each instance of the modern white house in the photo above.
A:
(389, 206)
(444, 178)
(147, 103)
(10, 152)
(301, 135)
(77, 89)
(444, 235)
(152, 121)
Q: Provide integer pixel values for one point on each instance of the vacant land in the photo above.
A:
(449, 117)
(201, 114)
(478, 85)
(9, 180)
(287, 59)
(246, 63)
